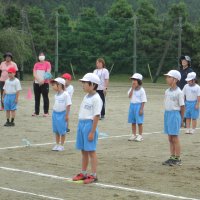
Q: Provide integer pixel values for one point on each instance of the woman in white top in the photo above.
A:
(103, 75)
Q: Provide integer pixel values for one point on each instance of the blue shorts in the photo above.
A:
(59, 124)
(9, 102)
(172, 122)
(190, 111)
(133, 116)
(83, 130)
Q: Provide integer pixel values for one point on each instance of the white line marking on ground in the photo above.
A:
(72, 141)
(30, 193)
(69, 141)
(102, 185)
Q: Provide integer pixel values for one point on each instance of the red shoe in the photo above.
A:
(90, 179)
(79, 177)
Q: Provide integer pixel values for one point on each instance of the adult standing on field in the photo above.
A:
(41, 85)
(185, 63)
(103, 75)
(5, 65)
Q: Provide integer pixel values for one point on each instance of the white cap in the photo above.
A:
(191, 76)
(175, 74)
(137, 76)
(91, 77)
(59, 80)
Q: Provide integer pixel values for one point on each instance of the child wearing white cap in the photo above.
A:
(191, 92)
(138, 98)
(87, 133)
(60, 113)
(173, 116)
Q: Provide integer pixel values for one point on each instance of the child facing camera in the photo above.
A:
(138, 98)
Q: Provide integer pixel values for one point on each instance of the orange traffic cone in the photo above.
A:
(29, 94)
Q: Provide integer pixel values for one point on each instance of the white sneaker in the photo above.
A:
(60, 148)
(55, 148)
(132, 138)
(192, 131)
(187, 131)
(139, 138)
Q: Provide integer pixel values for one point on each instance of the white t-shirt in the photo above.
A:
(70, 90)
(138, 96)
(90, 106)
(12, 86)
(173, 99)
(103, 75)
(191, 92)
(62, 100)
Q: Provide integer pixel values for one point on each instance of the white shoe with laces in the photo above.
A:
(55, 148)
(133, 137)
(60, 148)
(139, 138)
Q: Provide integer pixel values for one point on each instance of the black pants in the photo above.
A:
(101, 94)
(44, 90)
(2, 83)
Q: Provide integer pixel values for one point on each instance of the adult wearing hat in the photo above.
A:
(5, 65)
(185, 68)
(41, 84)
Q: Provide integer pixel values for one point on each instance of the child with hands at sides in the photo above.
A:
(191, 93)
(173, 116)
(87, 133)
(60, 113)
(138, 98)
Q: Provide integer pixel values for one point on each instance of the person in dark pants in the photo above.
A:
(41, 85)
(185, 68)
(103, 75)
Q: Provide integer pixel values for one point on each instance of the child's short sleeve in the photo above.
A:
(97, 105)
(198, 91)
(106, 74)
(18, 85)
(68, 99)
(143, 96)
(181, 99)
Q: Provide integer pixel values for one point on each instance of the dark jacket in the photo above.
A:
(184, 73)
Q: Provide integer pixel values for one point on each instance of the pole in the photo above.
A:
(135, 45)
(56, 47)
(179, 38)
(21, 70)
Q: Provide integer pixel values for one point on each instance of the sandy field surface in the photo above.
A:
(126, 170)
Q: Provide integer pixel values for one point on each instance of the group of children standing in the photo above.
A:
(179, 104)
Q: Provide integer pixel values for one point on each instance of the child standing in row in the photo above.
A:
(138, 98)
(11, 88)
(60, 113)
(192, 98)
(70, 89)
(173, 116)
(87, 133)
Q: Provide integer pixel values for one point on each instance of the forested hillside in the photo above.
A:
(101, 28)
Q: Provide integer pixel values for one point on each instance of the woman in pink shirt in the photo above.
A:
(41, 85)
(7, 63)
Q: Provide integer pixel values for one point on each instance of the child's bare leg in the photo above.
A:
(188, 121)
(194, 124)
(57, 138)
(13, 113)
(62, 139)
(134, 129)
(93, 160)
(8, 114)
(140, 128)
(85, 160)
(177, 146)
(171, 145)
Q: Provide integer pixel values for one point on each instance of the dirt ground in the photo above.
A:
(131, 167)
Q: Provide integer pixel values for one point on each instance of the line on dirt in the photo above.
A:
(29, 193)
(102, 185)
(72, 141)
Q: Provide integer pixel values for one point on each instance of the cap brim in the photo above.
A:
(85, 80)
(188, 79)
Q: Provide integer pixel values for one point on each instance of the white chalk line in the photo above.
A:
(72, 141)
(102, 185)
(29, 193)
